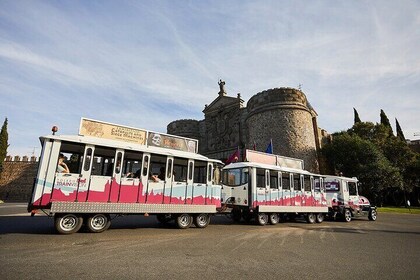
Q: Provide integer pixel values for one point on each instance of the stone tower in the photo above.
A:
(285, 116)
(282, 115)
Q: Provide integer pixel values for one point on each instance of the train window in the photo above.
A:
(146, 161)
(217, 174)
(235, 177)
(209, 172)
(158, 166)
(307, 183)
(274, 184)
(73, 153)
(190, 170)
(296, 182)
(88, 159)
(260, 178)
(352, 188)
(118, 167)
(332, 185)
(317, 184)
(180, 169)
(132, 164)
(285, 180)
(169, 174)
(103, 161)
(200, 172)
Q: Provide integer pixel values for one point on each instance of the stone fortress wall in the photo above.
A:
(17, 178)
(282, 115)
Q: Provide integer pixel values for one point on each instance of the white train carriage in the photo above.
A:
(268, 187)
(111, 169)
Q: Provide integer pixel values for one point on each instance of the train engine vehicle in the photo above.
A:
(344, 201)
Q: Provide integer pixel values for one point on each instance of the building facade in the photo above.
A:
(281, 115)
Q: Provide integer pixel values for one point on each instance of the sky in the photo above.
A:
(146, 63)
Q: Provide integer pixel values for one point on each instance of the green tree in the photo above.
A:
(385, 121)
(376, 133)
(357, 157)
(400, 133)
(4, 137)
(356, 116)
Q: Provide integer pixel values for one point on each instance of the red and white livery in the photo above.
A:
(121, 170)
(268, 187)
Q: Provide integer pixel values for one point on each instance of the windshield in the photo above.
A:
(235, 177)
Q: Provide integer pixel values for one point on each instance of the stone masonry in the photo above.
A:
(17, 179)
(282, 115)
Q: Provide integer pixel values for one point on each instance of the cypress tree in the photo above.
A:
(385, 121)
(400, 133)
(356, 116)
(3, 143)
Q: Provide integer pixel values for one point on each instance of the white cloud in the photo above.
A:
(147, 63)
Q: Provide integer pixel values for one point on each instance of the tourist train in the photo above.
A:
(109, 170)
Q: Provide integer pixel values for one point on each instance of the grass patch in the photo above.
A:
(401, 210)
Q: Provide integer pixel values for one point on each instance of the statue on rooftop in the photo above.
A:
(222, 86)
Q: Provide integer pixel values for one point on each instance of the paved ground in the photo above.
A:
(137, 247)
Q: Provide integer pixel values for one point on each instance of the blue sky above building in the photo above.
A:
(147, 63)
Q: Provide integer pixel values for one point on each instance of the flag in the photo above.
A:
(269, 149)
(233, 157)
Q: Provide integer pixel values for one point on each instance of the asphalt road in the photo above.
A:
(137, 247)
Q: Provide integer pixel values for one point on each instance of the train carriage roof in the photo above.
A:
(267, 166)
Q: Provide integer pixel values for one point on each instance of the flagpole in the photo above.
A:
(272, 147)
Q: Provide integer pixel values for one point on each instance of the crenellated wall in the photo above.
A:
(17, 178)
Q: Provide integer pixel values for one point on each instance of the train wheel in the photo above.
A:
(347, 216)
(319, 218)
(68, 223)
(98, 223)
(202, 220)
(183, 221)
(262, 219)
(372, 214)
(310, 218)
(273, 218)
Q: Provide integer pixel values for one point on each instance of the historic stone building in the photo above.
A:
(282, 115)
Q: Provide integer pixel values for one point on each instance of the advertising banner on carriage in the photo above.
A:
(110, 131)
(172, 142)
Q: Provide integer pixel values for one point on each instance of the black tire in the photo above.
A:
(164, 218)
(98, 223)
(347, 215)
(310, 218)
(68, 223)
(247, 216)
(236, 214)
(262, 219)
(202, 220)
(183, 221)
(273, 218)
(320, 218)
(373, 214)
